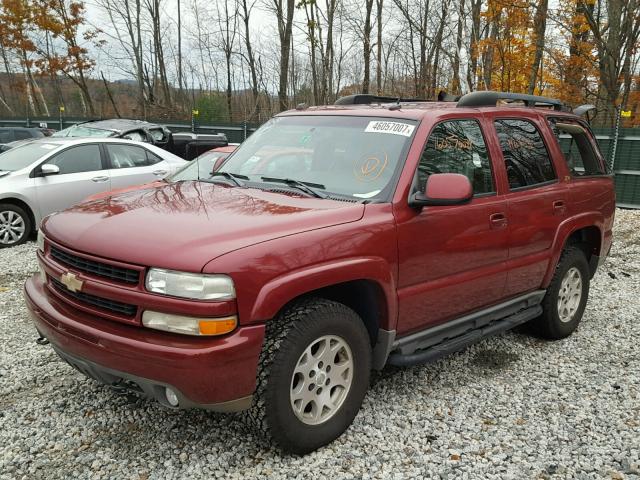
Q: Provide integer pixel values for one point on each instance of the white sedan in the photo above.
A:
(51, 174)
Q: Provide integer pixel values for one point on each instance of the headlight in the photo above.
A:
(188, 325)
(190, 285)
(40, 241)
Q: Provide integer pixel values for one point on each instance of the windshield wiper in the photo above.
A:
(306, 187)
(231, 176)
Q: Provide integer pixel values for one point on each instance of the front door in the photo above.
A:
(452, 259)
(81, 175)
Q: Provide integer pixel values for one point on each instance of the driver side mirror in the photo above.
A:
(444, 189)
(49, 169)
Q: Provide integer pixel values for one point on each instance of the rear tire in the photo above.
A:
(566, 297)
(313, 374)
(15, 225)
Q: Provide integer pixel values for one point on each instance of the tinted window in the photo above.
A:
(83, 158)
(457, 146)
(152, 158)
(6, 136)
(127, 156)
(23, 134)
(577, 148)
(525, 155)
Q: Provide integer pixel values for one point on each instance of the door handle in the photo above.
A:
(498, 220)
(160, 172)
(100, 179)
(559, 207)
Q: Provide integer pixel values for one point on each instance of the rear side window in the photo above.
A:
(83, 158)
(457, 146)
(127, 156)
(577, 148)
(525, 155)
(6, 136)
(23, 134)
(152, 158)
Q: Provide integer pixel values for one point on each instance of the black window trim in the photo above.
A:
(546, 147)
(597, 153)
(414, 182)
(35, 172)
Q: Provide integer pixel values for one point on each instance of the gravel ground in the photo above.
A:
(509, 407)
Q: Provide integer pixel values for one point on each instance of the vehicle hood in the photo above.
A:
(184, 225)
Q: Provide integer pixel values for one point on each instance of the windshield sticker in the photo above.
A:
(394, 128)
(370, 167)
(367, 195)
(48, 146)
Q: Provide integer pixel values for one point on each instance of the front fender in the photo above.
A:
(282, 289)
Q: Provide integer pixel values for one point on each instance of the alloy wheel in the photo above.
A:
(12, 227)
(570, 294)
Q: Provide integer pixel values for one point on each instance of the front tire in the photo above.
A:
(566, 297)
(15, 225)
(313, 375)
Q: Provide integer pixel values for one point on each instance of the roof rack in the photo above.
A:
(489, 99)
(367, 99)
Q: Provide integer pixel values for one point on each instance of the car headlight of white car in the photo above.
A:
(190, 285)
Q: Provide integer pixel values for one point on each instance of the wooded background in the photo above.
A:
(244, 60)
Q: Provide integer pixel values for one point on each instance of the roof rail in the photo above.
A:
(489, 99)
(367, 99)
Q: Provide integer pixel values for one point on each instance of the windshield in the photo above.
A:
(201, 167)
(345, 155)
(83, 131)
(24, 155)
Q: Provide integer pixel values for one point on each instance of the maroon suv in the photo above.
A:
(335, 240)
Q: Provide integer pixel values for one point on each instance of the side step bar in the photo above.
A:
(431, 344)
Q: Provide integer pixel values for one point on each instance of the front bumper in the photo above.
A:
(215, 373)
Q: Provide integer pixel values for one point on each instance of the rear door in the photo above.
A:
(452, 258)
(537, 198)
(82, 174)
(133, 165)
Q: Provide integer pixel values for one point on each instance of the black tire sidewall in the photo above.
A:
(4, 207)
(553, 327)
(291, 433)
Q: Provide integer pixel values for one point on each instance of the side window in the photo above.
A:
(152, 158)
(158, 134)
(136, 135)
(83, 158)
(525, 155)
(22, 135)
(6, 136)
(457, 146)
(127, 156)
(577, 147)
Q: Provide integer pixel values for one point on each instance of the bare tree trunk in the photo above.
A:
(245, 14)
(366, 47)
(284, 10)
(540, 26)
(379, 5)
(455, 85)
(473, 44)
(113, 103)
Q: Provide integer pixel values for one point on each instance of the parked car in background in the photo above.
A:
(8, 135)
(51, 174)
(201, 167)
(184, 144)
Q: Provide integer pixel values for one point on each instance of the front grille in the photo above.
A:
(103, 303)
(100, 269)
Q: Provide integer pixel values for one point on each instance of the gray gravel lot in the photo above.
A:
(509, 407)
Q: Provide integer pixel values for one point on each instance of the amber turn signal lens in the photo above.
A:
(218, 326)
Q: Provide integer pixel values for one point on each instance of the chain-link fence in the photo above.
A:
(625, 165)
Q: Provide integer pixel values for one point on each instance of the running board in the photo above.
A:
(431, 344)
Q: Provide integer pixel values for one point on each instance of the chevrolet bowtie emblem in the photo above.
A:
(72, 282)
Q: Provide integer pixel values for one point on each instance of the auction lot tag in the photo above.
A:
(394, 128)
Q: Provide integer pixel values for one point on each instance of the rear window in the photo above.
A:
(578, 149)
(525, 155)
